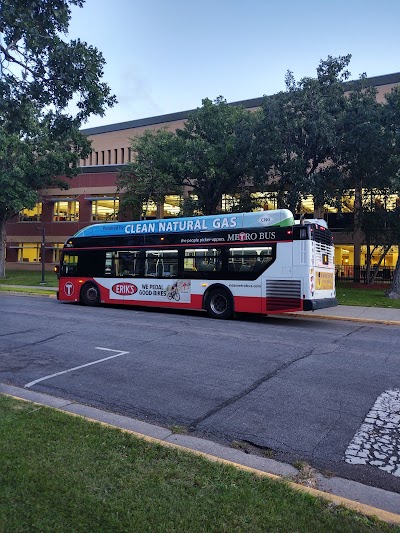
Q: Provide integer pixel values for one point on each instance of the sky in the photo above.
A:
(165, 56)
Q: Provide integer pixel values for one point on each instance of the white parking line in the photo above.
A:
(118, 354)
(377, 442)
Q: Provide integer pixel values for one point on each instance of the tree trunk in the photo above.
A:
(369, 258)
(376, 269)
(358, 234)
(209, 203)
(3, 220)
(394, 291)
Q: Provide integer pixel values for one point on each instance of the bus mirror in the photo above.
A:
(57, 269)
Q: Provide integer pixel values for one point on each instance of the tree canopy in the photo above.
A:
(41, 74)
(323, 136)
(152, 174)
(297, 135)
(210, 155)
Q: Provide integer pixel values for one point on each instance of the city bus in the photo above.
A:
(259, 262)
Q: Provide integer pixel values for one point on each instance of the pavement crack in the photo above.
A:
(41, 341)
(19, 332)
(355, 330)
(247, 391)
(328, 431)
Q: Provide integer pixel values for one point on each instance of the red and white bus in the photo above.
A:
(260, 262)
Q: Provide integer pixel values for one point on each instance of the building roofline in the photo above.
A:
(96, 169)
(376, 81)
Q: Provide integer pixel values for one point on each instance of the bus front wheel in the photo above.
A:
(219, 304)
(90, 294)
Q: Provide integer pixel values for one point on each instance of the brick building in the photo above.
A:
(92, 196)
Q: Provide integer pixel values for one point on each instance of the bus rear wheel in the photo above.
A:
(90, 294)
(219, 304)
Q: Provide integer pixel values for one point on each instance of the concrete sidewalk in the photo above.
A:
(379, 315)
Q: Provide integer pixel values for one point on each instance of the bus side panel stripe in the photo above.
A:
(248, 304)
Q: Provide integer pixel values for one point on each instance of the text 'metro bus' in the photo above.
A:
(260, 262)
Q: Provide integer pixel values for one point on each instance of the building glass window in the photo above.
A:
(105, 209)
(31, 215)
(307, 205)
(149, 209)
(259, 202)
(172, 205)
(29, 252)
(66, 211)
(265, 201)
(57, 252)
(229, 203)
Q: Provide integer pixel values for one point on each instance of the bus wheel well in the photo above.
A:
(90, 294)
(218, 302)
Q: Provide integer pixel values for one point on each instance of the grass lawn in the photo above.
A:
(32, 278)
(370, 296)
(62, 473)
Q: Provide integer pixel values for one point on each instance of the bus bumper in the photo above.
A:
(312, 305)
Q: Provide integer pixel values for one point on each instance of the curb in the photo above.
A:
(159, 435)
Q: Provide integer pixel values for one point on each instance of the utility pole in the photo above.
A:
(43, 257)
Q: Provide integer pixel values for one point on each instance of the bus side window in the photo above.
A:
(245, 260)
(189, 261)
(241, 259)
(205, 267)
(213, 257)
(161, 263)
(108, 266)
(127, 264)
(169, 263)
(152, 264)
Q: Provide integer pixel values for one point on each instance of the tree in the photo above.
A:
(365, 155)
(217, 143)
(329, 139)
(392, 123)
(40, 75)
(152, 174)
(210, 155)
(381, 227)
(296, 136)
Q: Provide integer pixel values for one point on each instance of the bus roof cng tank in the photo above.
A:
(256, 219)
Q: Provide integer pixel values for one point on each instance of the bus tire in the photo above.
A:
(219, 304)
(90, 294)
